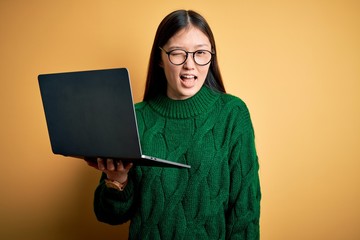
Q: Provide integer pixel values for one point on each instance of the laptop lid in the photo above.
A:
(90, 113)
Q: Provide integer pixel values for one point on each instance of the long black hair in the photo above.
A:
(174, 22)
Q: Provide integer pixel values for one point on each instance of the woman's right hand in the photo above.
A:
(115, 169)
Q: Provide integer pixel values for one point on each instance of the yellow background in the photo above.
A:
(295, 63)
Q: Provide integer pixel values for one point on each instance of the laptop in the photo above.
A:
(90, 114)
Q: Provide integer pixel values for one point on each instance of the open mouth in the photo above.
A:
(188, 80)
(186, 77)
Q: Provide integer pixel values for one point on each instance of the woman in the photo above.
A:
(186, 117)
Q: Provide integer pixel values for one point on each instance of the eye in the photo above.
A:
(177, 53)
(200, 52)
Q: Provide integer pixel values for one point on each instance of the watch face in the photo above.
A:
(111, 185)
(115, 185)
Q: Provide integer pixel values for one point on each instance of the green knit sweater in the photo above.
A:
(218, 198)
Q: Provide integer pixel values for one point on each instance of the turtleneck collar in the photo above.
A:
(190, 107)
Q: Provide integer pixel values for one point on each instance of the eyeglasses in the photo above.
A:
(179, 56)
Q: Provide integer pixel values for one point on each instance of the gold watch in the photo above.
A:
(115, 184)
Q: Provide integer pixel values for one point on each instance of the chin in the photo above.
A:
(189, 93)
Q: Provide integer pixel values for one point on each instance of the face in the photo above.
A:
(184, 81)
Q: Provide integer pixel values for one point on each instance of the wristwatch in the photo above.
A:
(115, 184)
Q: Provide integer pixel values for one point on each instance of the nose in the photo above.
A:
(189, 63)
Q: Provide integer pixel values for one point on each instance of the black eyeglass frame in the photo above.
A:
(186, 56)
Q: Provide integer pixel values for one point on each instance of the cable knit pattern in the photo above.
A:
(218, 198)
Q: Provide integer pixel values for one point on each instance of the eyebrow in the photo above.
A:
(196, 46)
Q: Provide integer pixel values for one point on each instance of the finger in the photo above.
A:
(110, 164)
(100, 163)
(123, 166)
(119, 165)
(128, 166)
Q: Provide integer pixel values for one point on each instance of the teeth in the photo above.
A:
(188, 76)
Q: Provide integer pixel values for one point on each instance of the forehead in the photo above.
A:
(189, 37)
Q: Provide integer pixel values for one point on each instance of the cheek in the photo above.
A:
(204, 72)
(171, 71)
(169, 74)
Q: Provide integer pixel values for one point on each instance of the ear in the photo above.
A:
(161, 63)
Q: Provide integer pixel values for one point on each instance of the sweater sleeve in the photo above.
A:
(244, 199)
(112, 206)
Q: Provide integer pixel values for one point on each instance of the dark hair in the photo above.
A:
(174, 22)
